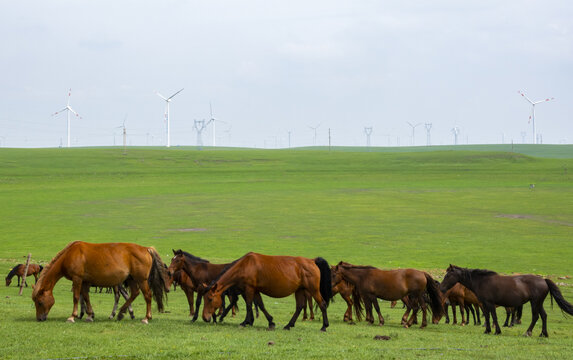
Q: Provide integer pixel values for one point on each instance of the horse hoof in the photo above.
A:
(89, 319)
(145, 321)
(286, 328)
(323, 329)
(352, 323)
(71, 319)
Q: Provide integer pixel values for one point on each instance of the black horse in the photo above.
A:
(493, 289)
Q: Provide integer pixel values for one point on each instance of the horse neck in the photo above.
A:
(50, 276)
(352, 275)
(231, 277)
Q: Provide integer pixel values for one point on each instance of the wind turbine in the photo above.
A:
(368, 132)
(413, 131)
(213, 120)
(69, 110)
(167, 101)
(456, 132)
(315, 128)
(532, 117)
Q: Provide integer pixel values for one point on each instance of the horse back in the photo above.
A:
(510, 291)
(107, 264)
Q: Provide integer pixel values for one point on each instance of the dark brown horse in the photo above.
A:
(18, 270)
(373, 283)
(200, 271)
(107, 264)
(275, 276)
(493, 289)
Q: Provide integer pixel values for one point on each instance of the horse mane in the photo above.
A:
(358, 267)
(13, 271)
(471, 273)
(46, 269)
(189, 256)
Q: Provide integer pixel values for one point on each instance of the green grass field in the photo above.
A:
(389, 207)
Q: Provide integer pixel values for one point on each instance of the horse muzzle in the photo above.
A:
(206, 318)
(42, 317)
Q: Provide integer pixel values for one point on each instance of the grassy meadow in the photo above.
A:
(423, 207)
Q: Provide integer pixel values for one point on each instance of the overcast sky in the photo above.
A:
(274, 68)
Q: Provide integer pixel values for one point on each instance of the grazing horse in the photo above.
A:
(373, 283)
(18, 270)
(493, 289)
(107, 264)
(349, 293)
(275, 276)
(463, 297)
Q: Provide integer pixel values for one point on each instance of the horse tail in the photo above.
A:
(156, 279)
(357, 302)
(325, 279)
(41, 268)
(559, 299)
(434, 293)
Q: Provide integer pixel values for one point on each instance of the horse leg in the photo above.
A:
(76, 290)
(134, 291)
(300, 301)
(462, 313)
(200, 294)
(424, 307)
(116, 296)
(146, 291)
(494, 320)
(486, 312)
(259, 304)
(86, 295)
(368, 309)
(534, 317)
(348, 313)
(543, 321)
(377, 308)
(507, 316)
(125, 295)
(322, 306)
(248, 296)
(454, 314)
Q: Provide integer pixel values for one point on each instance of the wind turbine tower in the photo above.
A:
(368, 132)
(413, 131)
(456, 132)
(532, 117)
(167, 101)
(428, 128)
(69, 110)
(214, 121)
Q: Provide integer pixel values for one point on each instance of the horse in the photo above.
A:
(493, 289)
(463, 297)
(200, 271)
(373, 283)
(18, 270)
(106, 264)
(274, 276)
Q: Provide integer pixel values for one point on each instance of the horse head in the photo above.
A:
(44, 300)
(8, 281)
(453, 276)
(212, 300)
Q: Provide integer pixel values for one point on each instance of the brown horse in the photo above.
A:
(493, 289)
(464, 298)
(107, 264)
(373, 283)
(18, 270)
(349, 293)
(275, 276)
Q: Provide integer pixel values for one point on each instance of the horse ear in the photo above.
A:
(173, 251)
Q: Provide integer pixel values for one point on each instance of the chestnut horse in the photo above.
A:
(373, 283)
(493, 289)
(107, 264)
(184, 281)
(18, 270)
(275, 276)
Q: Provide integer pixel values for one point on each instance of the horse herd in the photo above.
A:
(142, 270)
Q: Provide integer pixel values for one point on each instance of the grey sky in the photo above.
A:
(274, 67)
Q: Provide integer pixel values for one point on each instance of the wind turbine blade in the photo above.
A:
(526, 98)
(171, 97)
(161, 96)
(57, 112)
(73, 112)
(540, 101)
(69, 96)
